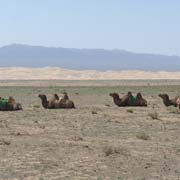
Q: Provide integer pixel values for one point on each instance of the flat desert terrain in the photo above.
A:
(95, 141)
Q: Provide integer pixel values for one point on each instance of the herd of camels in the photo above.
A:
(65, 103)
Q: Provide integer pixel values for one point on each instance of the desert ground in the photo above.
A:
(95, 141)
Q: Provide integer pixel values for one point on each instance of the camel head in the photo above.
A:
(42, 96)
(164, 96)
(114, 95)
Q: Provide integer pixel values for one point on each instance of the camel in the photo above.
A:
(170, 102)
(9, 104)
(129, 100)
(56, 103)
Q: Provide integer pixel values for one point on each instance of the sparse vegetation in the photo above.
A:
(94, 112)
(36, 106)
(142, 136)
(5, 142)
(130, 110)
(174, 110)
(153, 115)
(111, 150)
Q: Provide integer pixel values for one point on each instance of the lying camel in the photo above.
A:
(9, 104)
(56, 103)
(129, 100)
(170, 102)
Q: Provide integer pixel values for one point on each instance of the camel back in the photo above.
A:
(3, 103)
(133, 100)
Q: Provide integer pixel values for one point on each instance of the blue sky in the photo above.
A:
(146, 26)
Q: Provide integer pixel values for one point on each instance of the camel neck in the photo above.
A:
(44, 102)
(117, 101)
(167, 102)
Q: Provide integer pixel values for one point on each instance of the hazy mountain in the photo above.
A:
(98, 59)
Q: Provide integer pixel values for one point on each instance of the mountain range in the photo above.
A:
(85, 59)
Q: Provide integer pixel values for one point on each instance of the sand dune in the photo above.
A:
(48, 73)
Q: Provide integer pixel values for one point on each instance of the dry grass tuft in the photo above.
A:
(36, 106)
(153, 115)
(110, 150)
(94, 112)
(5, 142)
(143, 136)
(174, 110)
(129, 110)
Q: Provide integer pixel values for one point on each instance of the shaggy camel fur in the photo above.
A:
(129, 100)
(170, 102)
(56, 103)
(10, 105)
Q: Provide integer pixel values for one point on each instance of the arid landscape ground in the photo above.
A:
(95, 141)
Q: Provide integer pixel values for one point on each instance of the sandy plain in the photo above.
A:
(95, 141)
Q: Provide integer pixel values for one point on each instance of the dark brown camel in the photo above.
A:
(56, 103)
(9, 105)
(170, 102)
(128, 100)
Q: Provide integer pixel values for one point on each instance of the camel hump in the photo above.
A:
(178, 101)
(65, 96)
(11, 100)
(56, 97)
(139, 95)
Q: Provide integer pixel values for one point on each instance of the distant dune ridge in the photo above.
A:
(48, 73)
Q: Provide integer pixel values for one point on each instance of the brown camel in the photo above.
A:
(129, 100)
(9, 104)
(170, 102)
(56, 103)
